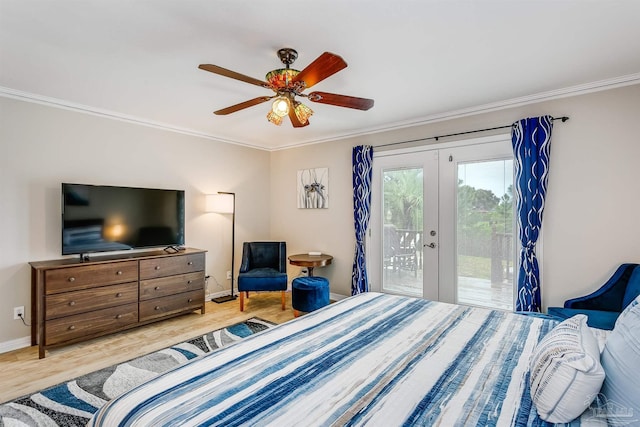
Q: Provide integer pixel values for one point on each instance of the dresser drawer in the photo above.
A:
(164, 306)
(89, 276)
(68, 303)
(169, 266)
(80, 325)
(154, 288)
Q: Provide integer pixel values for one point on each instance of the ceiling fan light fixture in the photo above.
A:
(274, 118)
(302, 112)
(281, 78)
(287, 84)
(281, 106)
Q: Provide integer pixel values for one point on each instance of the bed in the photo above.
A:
(373, 359)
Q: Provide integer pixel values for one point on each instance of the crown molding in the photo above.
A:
(601, 85)
(586, 88)
(80, 108)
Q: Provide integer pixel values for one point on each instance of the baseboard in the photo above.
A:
(337, 297)
(212, 295)
(26, 341)
(15, 344)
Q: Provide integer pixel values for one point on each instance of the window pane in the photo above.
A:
(484, 234)
(402, 232)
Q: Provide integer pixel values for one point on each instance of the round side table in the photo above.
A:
(310, 261)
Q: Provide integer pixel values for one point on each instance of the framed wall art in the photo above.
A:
(313, 188)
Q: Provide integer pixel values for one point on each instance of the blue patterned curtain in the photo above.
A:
(362, 160)
(531, 139)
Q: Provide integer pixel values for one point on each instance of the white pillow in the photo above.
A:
(565, 371)
(621, 362)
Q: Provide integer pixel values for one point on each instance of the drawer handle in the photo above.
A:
(157, 288)
(188, 282)
(119, 294)
(119, 273)
(72, 279)
(71, 328)
(190, 263)
(157, 267)
(190, 300)
(118, 316)
(157, 307)
(72, 303)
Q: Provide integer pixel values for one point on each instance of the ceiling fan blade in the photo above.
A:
(341, 100)
(243, 105)
(324, 66)
(232, 74)
(295, 121)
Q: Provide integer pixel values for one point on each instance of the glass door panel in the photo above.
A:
(402, 213)
(403, 259)
(484, 233)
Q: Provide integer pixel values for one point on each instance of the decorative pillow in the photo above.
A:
(565, 371)
(621, 362)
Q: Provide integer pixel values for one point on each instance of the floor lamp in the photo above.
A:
(225, 203)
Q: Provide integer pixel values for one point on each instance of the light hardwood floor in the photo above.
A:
(21, 372)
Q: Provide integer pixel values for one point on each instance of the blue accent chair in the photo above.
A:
(309, 293)
(263, 268)
(603, 306)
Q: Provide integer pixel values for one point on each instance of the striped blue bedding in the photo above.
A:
(373, 359)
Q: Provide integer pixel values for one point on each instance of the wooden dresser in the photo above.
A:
(73, 301)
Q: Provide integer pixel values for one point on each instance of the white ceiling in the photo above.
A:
(420, 60)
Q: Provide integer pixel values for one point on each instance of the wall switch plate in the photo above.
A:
(17, 312)
(228, 275)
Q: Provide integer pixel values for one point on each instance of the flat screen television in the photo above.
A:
(100, 218)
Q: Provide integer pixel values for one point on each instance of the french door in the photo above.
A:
(404, 205)
(442, 223)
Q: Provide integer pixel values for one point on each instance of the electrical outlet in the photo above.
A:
(17, 312)
(228, 275)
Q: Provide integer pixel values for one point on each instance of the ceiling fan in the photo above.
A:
(288, 84)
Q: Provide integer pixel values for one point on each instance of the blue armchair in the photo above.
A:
(263, 268)
(603, 306)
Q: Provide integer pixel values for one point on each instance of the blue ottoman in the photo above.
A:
(309, 294)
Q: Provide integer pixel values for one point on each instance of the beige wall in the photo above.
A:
(590, 223)
(590, 218)
(326, 230)
(40, 147)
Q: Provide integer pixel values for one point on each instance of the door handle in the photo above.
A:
(430, 245)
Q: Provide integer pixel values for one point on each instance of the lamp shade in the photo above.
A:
(219, 203)
(281, 106)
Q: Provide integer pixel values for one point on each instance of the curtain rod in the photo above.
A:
(563, 118)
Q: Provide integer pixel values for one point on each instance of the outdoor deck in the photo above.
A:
(471, 291)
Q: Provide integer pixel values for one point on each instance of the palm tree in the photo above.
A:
(403, 197)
